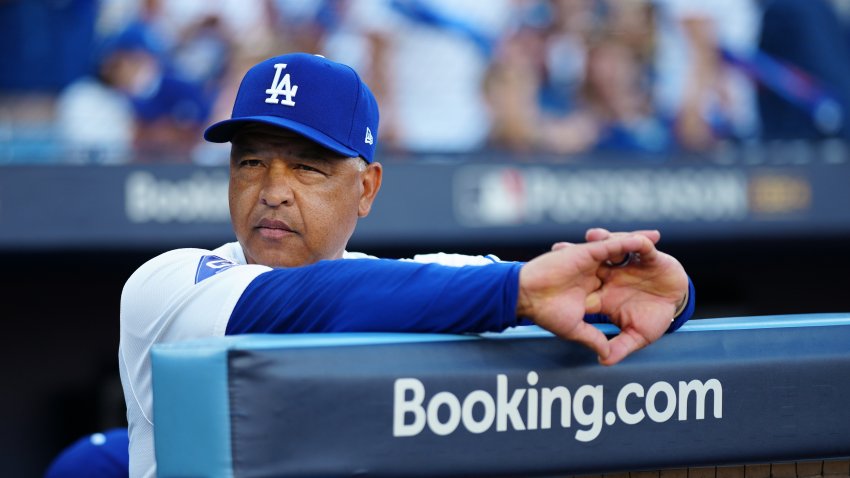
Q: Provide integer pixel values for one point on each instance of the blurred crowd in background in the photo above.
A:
(123, 81)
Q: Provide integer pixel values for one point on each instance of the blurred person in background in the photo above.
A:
(512, 88)
(170, 106)
(165, 113)
(806, 90)
(95, 120)
(427, 60)
(617, 87)
(616, 96)
(572, 77)
(533, 83)
(704, 98)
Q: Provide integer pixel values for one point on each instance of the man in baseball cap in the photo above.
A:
(302, 172)
(308, 124)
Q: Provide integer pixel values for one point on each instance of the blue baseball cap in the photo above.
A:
(322, 100)
(101, 455)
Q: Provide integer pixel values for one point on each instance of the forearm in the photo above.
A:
(379, 296)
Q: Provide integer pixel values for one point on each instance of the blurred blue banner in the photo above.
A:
(420, 202)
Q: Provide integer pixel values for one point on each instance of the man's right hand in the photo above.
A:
(558, 288)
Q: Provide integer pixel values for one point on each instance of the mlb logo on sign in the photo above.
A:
(210, 266)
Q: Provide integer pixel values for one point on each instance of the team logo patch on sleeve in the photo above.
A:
(210, 266)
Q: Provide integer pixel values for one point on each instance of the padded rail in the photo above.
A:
(717, 394)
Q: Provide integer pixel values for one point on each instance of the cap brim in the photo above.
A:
(224, 131)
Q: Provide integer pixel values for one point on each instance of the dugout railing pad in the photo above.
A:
(725, 391)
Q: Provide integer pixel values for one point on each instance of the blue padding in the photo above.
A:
(265, 341)
(702, 325)
(768, 322)
(191, 409)
(191, 399)
(198, 383)
(273, 341)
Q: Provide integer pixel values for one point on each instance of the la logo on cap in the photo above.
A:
(281, 87)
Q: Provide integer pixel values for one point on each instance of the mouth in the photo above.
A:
(274, 229)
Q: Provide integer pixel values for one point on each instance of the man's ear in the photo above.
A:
(371, 180)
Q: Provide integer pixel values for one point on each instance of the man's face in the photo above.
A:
(293, 202)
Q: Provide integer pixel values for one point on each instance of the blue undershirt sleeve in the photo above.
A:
(379, 295)
(689, 309)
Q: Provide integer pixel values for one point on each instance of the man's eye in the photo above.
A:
(251, 163)
(305, 167)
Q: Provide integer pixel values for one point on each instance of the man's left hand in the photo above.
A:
(641, 297)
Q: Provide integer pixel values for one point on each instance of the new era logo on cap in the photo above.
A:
(322, 100)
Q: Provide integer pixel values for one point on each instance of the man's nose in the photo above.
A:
(276, 188)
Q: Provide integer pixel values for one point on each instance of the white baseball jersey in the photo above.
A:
(189, 294)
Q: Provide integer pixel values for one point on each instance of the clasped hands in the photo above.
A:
(558, 288)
